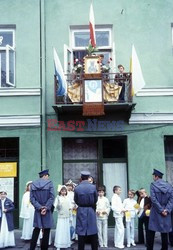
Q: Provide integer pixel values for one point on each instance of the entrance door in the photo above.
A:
(80, 154)
(105, 158)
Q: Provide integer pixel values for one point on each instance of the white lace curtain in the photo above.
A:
(115, 174)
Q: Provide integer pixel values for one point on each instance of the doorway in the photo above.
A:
(9, 172)
(104, 158)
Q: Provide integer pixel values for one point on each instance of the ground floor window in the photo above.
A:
(169, 158)
(105, 158)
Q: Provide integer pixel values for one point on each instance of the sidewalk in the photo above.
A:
(21, 244)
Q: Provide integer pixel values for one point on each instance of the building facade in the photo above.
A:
(119, 148)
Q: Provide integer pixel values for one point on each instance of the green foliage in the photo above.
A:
(90, 49)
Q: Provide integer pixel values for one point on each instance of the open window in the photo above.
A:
(10, 66)
(7, 58)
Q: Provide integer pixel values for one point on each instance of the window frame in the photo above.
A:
(6, 49)
(108, 47)
(102, 49)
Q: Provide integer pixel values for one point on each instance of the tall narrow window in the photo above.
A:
(7, 57)
(169, 158)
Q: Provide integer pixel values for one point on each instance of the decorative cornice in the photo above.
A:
(20, 121)
(151, 118)
(155, 92)
(19, 92)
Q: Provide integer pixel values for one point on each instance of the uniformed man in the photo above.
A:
(161, 194)
(85, 196)
(42, 198)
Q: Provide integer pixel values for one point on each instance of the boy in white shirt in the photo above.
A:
(102, 211)
(129, 206)
(118, 213)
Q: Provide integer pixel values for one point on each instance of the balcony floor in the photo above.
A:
(109, 108)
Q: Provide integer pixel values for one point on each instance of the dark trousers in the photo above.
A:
(122, 93)
(93, 239)
(45, 239)
(171, 238)
(144, 220)
(150, 241)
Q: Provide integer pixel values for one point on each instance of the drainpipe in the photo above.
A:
(43, 83)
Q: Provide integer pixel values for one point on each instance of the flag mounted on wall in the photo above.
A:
(92, 27)
(138, 81)
(59, 74)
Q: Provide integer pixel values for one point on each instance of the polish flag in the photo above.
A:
(92, 27)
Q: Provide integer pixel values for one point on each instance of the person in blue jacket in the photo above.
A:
(85, 196)
(42, 198)
(161, 193)
(6, 221)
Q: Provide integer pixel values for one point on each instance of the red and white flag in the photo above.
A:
(92, 27)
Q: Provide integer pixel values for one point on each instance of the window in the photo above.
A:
(7, 57)
(79, 154)
(80, 39)
(172, 34)
(169, 158)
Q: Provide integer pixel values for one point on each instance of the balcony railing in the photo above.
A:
(117, 88)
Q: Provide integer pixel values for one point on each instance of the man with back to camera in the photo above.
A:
(161, 193)
(42, 198)
(85, 196)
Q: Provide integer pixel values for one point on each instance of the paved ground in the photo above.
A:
(20, 244)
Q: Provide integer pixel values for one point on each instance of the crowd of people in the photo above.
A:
(83, 211)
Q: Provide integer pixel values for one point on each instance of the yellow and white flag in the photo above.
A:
(137, 77)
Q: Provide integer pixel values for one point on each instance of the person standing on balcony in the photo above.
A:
(85, 196)
(42, 198)
(120, 79)
(162, 204)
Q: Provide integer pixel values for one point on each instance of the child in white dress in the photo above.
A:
(102, 212)
(129, 206)
(118, 213)
(6, 221)
(70, 194)
(63, 205)
(27, 213)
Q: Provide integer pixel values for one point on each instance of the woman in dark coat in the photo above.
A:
(6, 221)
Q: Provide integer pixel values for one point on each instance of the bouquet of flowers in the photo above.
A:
(78, 67)
(106, 67)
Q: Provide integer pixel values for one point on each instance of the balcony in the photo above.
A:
(116, 89)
